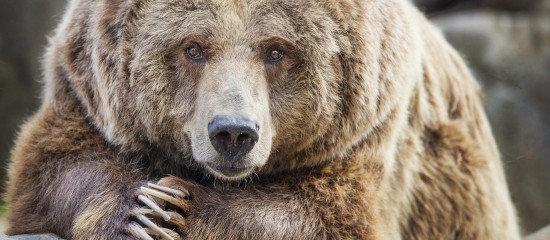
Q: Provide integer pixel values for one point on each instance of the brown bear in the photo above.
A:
(256, 119)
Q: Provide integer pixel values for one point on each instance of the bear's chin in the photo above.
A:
(229, 173)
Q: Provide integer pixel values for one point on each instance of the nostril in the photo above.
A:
(249, 134)
(224, 136)
(247, 137)
(233, 136)
(243, 138)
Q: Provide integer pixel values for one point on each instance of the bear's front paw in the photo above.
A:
(161, 215)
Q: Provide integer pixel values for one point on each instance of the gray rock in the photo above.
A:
(30, 237)
(510, 54)
(543, 234)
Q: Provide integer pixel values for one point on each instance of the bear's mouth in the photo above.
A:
(230, 173)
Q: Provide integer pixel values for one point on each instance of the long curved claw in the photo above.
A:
(172, 233)
(154, 227)
(161, 195)
(139, 232)
(150, 195)
(168, 190)
(150, 203)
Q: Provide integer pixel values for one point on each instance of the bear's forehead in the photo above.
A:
(228, 20)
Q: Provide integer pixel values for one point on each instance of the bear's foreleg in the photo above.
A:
(312, 206)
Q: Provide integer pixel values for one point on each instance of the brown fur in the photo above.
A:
(372, 127)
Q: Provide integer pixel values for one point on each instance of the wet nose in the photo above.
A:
(233, 136)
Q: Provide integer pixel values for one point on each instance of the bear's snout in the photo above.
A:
(233, 136)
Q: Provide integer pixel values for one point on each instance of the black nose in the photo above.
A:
(233, 136)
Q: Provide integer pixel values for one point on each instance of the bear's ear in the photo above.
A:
(84, 56)
(67, 60)
(450, 90)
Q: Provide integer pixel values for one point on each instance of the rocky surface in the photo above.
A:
(3, 225)
(510, 54)
(543, 234)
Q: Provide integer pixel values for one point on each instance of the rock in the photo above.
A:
(3, 225)
(543, 234)
(510, 54)
(30, 237)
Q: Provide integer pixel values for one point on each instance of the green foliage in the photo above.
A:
(2, 208)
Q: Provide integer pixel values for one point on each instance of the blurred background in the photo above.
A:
(506, 43)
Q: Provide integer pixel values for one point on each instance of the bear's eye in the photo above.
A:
(275, 55)
(194, 52)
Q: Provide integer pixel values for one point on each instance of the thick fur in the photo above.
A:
(377, 128)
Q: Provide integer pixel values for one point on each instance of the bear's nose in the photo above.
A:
(233, 136)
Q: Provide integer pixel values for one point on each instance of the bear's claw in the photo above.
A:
(155, 207)
(152, 226)
(146, 229)
(139, 232)
(168, 190)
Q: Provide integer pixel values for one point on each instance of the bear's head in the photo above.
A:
(240, 86)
